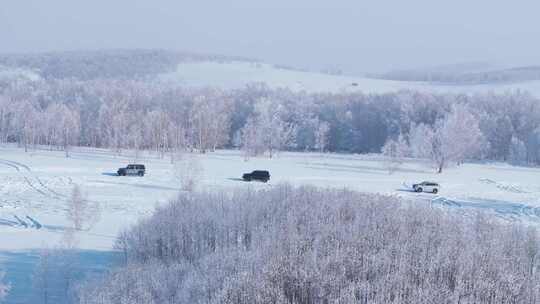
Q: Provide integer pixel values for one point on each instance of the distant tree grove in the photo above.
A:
(136, 115)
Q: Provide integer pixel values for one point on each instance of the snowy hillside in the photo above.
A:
(238, 74)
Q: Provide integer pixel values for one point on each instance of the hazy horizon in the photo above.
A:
(356, 37)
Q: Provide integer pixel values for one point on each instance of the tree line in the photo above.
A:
(131, 114)
(109, 64)
(465, 74)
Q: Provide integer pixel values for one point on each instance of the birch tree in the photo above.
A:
(70, 128)
(210, 121)
(80, 211)
(395, 150)
(452, 139)
(266, 130)
(321, 136)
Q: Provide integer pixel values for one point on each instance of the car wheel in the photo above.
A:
(419, 189)
(141, 173)
(435, 191)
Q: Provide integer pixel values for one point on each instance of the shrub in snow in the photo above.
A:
(81, 212)
(394, 151)
(310, 245)
(188, 171)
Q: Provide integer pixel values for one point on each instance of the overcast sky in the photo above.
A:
(359, 36)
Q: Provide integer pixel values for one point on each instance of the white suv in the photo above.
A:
(426, 187)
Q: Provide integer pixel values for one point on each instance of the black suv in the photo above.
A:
(133, 169)
(260, 175)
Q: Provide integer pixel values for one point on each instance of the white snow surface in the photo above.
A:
(35, 187)
(230, 75)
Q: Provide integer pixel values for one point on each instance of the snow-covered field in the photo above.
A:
(238, 74)
(35, 186)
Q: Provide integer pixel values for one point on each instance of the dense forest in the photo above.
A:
(117, 112)
(122, 114)
(309, 245)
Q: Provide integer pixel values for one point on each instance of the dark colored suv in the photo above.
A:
(260, 175)
(132, 169)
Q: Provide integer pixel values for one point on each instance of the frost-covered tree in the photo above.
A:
(138, 115)
(60, 126)
(452, 139)
(80, 211)
(26, 123)
(113, 122)
(188, 171)
(459, 136)
(69, 128)
(421, 140)
(6, 119)
(210, 121)
(177, 141)
(310, 245)
(395, 150)
(321, 136)
(252, 139)
(157, 128)
(266, 130)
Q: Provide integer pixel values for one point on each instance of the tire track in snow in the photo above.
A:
(509, 210)
(33, 181)
(503, 186)
(18, 169)
(27, 169)
(37, 185)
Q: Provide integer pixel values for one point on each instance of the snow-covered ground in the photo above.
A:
(35, 186)
(238, 74)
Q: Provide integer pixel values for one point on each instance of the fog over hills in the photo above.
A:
(355, 36)
(200, 70)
